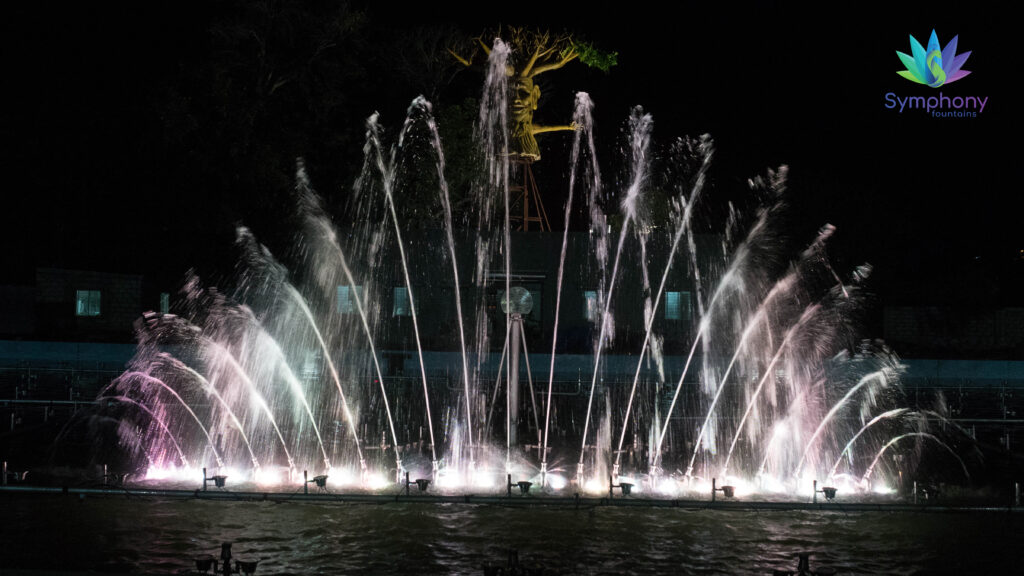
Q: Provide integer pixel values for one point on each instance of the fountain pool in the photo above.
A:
(162, 537)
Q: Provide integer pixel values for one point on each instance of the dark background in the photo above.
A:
(136, 135)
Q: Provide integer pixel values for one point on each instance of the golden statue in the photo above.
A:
(535, 53)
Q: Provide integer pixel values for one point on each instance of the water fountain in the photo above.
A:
(282, 370)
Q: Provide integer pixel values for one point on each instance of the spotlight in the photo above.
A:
(204, 563)
(727, 491)
(828, 491)
(421, 483)
(625, 487)
(524, 486)
(320, 481)
(247, 568)
(218, 480)
(803, 568)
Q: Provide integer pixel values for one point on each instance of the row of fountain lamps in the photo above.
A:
(625, 488)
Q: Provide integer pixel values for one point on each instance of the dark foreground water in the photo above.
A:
(59, 533)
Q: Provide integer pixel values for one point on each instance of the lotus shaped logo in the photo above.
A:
(932, 66)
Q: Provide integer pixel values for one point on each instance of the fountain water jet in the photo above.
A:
(771, 347)
(156, 418)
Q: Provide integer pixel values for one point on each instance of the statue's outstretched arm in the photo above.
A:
(539, 129)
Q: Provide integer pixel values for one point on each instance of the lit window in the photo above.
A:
(677, 305)
(401, 302)
(347, 299)
(165, 302)
(590, 308)
(672, 306)
(87, 303)
(311, 363)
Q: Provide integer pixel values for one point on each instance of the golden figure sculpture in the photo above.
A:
(534, 53)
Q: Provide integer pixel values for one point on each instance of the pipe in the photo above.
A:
(556, 501)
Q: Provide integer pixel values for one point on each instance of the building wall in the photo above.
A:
(955, 332)
(17, 318)
(55, 304)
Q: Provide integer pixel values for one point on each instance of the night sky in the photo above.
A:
(136, 137)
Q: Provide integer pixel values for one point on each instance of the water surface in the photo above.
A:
(162, 536)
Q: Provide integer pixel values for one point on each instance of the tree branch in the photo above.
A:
(556, 65)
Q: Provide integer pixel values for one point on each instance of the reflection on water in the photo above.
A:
(154, 536)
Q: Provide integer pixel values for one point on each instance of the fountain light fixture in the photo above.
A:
(204, 563)
(320, 481)
(246, 567)
(828, 491)
(727, 491)
(115, 479)
(625, 487)
(421, 483)
(524, 486)
(217, 480)
(803, 568)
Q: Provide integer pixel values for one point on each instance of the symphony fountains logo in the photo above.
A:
(935, 68)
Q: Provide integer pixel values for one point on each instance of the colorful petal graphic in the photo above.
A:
(933, 66)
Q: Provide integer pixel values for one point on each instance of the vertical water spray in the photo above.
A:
(388, 174)
(435, 141)
(492, 134)
(807, 315)
(373, 350)
(583, 119)
(682, 225)
(640, 139)
(328, 235)
(725, 284)
(781, 288)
